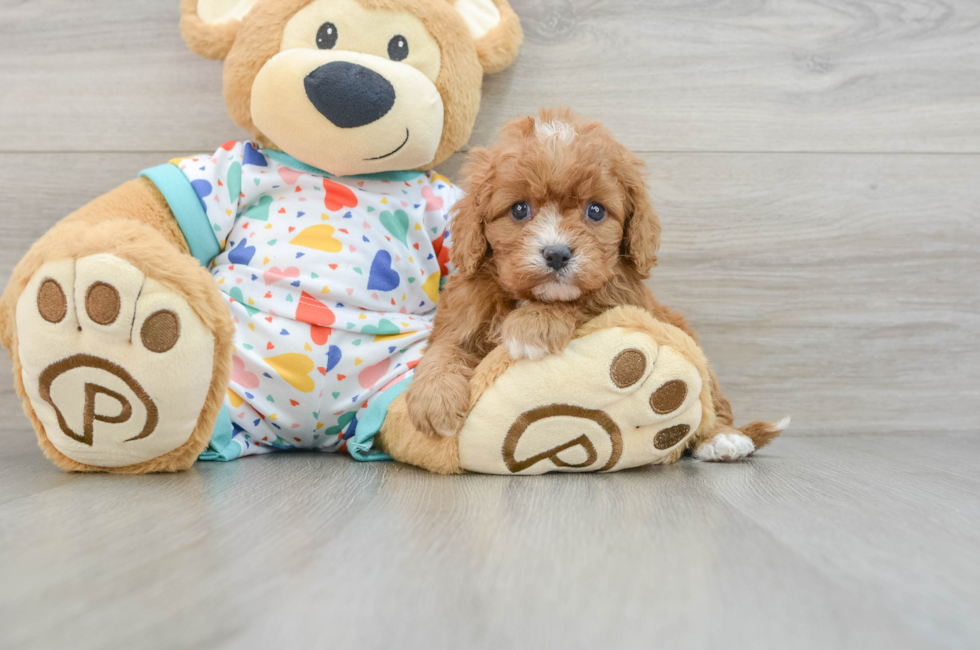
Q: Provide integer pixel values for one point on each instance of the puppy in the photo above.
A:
(556, 229)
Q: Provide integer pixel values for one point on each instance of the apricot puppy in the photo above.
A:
(557, 228)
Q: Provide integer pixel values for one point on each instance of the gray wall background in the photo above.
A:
(816, 167)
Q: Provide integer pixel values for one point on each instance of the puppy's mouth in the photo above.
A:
(558, 281)
(560, 289)
(396, 150)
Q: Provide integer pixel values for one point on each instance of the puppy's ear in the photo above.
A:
(209, 27)
(469, 241)
(641, 230)
(495, 28)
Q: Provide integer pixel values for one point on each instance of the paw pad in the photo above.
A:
(160, 331)
(628, 368)
(102, 303)
(51, 301)
(669, 397)
(667, 438)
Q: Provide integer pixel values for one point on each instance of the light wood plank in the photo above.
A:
(815, 543)
(43, 188)
(106, 76)
(840, 289)
(803, 75)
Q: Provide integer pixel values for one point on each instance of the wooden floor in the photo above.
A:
(821, 542)
(816, 167)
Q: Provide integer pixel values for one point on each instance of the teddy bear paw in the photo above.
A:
(616, 398)
(116, 366)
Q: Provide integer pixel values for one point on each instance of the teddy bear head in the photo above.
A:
(355, 86)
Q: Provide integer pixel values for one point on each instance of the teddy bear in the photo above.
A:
(278, 293)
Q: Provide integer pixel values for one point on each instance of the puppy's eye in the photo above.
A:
(595, 212)
(521, 210)
(398, 48)
(326, 36)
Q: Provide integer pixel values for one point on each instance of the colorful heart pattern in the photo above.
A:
(332, 285)
(433, 203)
(337, 196)
(241, 376)
(383, 277)
(274, 275)
(396, 224)
(319, 238)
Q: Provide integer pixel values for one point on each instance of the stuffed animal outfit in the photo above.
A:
(332, 283)
(278, 293)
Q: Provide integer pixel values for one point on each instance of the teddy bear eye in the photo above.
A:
(398, 48)
(326, 36)
(521, 210)
(595, 212)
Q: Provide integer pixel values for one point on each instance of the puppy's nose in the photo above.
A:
(349, 95)
(557, 257)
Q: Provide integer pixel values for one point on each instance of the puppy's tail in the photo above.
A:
(762, 433)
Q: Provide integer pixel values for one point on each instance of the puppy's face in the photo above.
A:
(561, 206)
(556, 219)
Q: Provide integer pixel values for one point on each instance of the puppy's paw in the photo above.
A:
(437, 405)
(532, 334)
(521, 349)
(727, 446)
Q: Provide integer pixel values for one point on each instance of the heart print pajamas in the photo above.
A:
(332, 284)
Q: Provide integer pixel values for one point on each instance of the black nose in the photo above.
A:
(349, 95)
(557, 257)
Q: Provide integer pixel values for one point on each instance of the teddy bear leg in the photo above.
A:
(121, 346)
(628, 391)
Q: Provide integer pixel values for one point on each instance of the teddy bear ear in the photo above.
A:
(495, 28)
(209, 26)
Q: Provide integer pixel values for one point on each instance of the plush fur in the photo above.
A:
(209, 41)
(559, 164)
(248, 46)
(134, 222)
(498, 48)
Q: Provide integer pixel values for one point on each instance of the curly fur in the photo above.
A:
(558, 163)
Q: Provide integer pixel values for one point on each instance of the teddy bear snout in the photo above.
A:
(348, 94)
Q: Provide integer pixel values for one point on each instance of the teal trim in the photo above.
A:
(222, 447)
(188, 211)
(392, 177)
(360, 445)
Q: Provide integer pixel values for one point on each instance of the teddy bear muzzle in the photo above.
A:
(348, 112)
